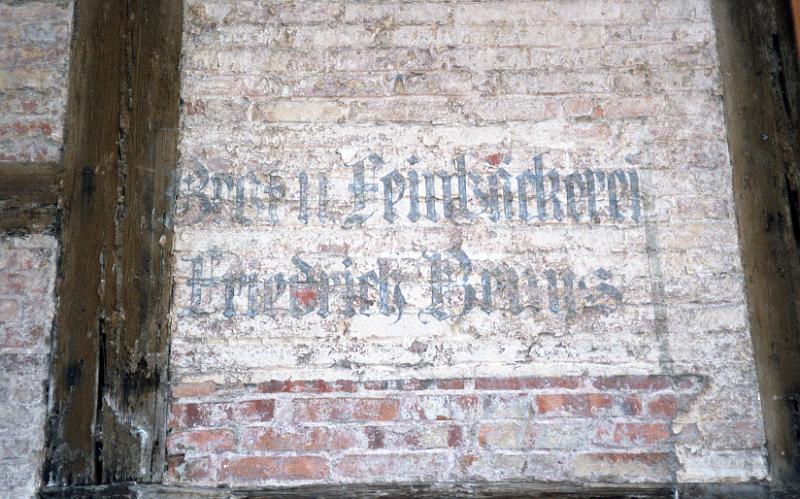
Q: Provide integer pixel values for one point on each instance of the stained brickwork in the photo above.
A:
(34, 49)
(537, 428)
(526, 203)
(27, 274)
(34, 53)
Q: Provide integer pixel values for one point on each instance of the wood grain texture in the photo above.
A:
(29, 195)
(762, 105)
(109, 358)
(29, 183)
(509, 490)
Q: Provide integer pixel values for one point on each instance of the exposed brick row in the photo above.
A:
(431, 428)
(525, 383)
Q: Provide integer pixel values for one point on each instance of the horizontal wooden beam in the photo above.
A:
(23, 184)
(463, 491)
(29, 195)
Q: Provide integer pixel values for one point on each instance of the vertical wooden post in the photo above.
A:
(108, 376)
(759, 68)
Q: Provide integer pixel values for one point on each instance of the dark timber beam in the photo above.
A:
(108, 376)
(509, 490)
(28, 197)
(758, 56)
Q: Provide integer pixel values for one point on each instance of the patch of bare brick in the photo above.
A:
(424, 434)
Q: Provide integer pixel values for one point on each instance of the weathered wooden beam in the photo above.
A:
(796, 22)
(29, 183)
(28, 197)
(762, 104)
(507, 490)
(108, 375)
(135, 397)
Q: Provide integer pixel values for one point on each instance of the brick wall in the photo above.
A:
(553, 429)
(34, 45)
(27, 273)
(450, 240)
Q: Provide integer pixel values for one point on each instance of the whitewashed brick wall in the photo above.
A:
(593, 325)
(34, 53)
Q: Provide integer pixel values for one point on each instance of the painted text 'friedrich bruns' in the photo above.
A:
(455, 287)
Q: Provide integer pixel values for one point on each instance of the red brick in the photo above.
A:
(19, 284)
(299, 439)
(573, 404)
(566, 434)
(635, 435)
(252, 410)
(689, 383)
(582, 107)
(506, 406)
(653, 382)
(197, 106)
(247, 469)
(639, 457)
(500, 435)
(375, 437)
(189, 470)
(9, 310)
(414, 436)
(731, 434)
(665, 406)
(450, 384)
(194, 389)
(315, 386)
(432, 384)
(38, 12)
(219, 414)
(345, 409)
(415, 384)
(689, 434)
(393, 467)
(634, 107)
(379, 385)
(631, 405)
(200, 441)
(529, 383)
(17, 336)
(22, 364)
(455, 436)
(621, 467)
(15, 446)
(441, 407)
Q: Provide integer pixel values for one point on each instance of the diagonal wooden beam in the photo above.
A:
(108, 374)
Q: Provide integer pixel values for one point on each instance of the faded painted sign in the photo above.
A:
(433, 282)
